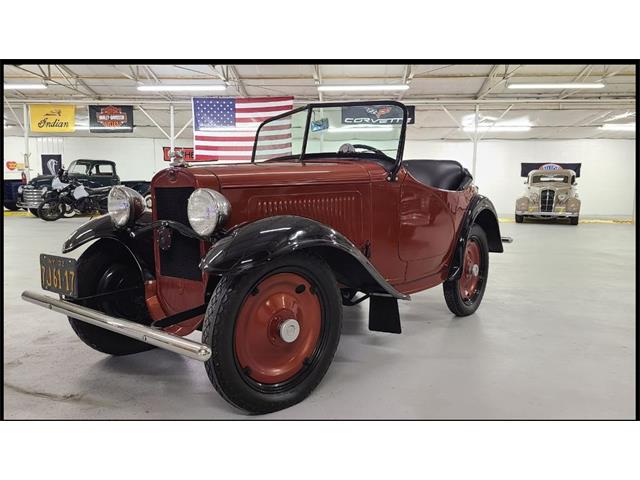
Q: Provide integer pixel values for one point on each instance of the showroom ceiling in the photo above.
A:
(445, 95)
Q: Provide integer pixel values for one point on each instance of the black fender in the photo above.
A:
(102, 228)
(258, 242)
(482, 212)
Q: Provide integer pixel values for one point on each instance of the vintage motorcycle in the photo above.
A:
(69, 197)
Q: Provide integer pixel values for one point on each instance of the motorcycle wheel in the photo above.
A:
(70, 211)
(50, 211)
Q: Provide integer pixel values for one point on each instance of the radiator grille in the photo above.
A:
(31, 196)
(546, 200)
(182, 259)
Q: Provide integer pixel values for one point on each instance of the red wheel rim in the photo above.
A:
(261, 351)
(470, 278)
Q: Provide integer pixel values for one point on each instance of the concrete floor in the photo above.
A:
(553, 339)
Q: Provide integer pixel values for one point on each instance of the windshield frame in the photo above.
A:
(309, 108)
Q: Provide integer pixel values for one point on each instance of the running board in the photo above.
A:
(152, 336)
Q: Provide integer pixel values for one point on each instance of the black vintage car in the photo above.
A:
(91, 173)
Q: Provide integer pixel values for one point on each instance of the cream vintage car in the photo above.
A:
(549, 194)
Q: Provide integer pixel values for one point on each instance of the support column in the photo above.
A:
(475, 142)
(172, 131)
(25, 127)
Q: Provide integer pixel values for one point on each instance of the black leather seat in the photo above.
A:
(442, 174)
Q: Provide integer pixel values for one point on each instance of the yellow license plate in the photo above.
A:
(59, 274)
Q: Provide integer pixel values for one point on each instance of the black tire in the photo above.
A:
(50, 211)
(519, 218)
(574, 220)
(452, 293)
(104, 268)
(223, 369)
(33, 211)
(11, 206)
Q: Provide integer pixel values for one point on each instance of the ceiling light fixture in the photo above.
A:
(372, 128)
(555, 86)
(24, 86)
(619, 127)
(362, 88)
(497, 128)
(181, 88)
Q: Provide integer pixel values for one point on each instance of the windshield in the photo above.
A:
(79, 167)
(550, 178)
(356, 129)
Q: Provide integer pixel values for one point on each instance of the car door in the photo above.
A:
(427, 227)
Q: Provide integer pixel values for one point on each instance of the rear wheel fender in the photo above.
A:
(481, 212)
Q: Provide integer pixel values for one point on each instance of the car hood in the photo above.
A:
(43, 180)
(291, 173)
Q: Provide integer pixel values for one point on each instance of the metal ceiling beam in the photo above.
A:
(582, 74)
(317, 79)
(50, 80)
(487, 81)
(77, 78)
(507, 75)
(239, 82)
(407, 76)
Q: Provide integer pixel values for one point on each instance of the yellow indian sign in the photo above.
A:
(52, 118)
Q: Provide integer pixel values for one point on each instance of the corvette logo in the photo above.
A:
(379, 111)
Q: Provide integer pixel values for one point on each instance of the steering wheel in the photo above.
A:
(349, 148)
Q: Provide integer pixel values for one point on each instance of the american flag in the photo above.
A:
(225, 128)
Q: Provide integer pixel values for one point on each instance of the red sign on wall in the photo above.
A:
(186, 151)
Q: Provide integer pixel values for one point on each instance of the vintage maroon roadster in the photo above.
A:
(262, 256)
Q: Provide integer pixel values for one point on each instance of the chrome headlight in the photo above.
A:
(124, 205)
(562, 197)
(207, 209)
(20, 188)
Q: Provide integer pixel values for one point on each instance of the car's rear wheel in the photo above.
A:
(464, 295)
(519, 218)
(273, 332)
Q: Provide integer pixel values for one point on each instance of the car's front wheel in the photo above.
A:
(463, 295)
(574, 220)
(273, 332)
(519, 218)
(11, 206)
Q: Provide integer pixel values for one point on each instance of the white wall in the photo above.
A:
(607, 179)
(606, 185)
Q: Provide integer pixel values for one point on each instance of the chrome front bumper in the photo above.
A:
(152, 336)
(547, 214)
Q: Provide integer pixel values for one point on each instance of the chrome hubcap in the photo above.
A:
(289, 330)
(475, 270)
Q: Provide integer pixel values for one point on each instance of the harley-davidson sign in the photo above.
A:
(376, 115)
(110, 118)
(187, 153)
